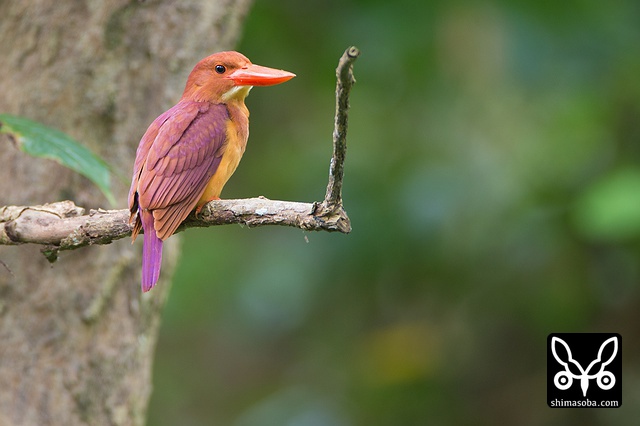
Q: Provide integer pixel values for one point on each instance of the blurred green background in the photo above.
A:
(493, 183)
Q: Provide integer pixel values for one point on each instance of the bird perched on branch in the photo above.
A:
(188, 153)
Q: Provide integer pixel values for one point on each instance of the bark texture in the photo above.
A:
(77, 336)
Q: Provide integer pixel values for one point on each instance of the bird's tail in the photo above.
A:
(151, 252)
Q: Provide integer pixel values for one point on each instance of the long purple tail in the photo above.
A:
(151, 252)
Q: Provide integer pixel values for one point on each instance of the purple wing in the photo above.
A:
(177, 157)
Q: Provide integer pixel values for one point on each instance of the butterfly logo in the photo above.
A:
(573, 370)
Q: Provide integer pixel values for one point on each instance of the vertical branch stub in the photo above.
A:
(345, 80)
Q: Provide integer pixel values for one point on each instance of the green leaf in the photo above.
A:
(41, 141)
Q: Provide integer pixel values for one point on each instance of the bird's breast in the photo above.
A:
(236, 142)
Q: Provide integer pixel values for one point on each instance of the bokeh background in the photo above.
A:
(493, 183)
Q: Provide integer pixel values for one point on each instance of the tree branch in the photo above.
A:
(65, 226)
(344, 81)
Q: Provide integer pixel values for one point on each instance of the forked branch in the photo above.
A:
(65, 226)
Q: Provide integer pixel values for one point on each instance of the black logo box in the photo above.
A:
(600, 379)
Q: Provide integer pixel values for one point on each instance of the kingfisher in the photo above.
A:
(189, 152)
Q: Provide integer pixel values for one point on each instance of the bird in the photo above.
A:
(189, 152)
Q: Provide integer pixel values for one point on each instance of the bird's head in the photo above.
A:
(228, 76)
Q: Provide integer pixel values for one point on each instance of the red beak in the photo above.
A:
(256, 75)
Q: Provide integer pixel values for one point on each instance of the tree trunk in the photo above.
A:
(77, 337)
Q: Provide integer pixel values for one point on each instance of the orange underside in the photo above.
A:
(230, 160)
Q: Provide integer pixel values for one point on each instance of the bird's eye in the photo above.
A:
(220, 69)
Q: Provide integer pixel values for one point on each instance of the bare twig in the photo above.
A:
(345, 79)
(64, 226)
